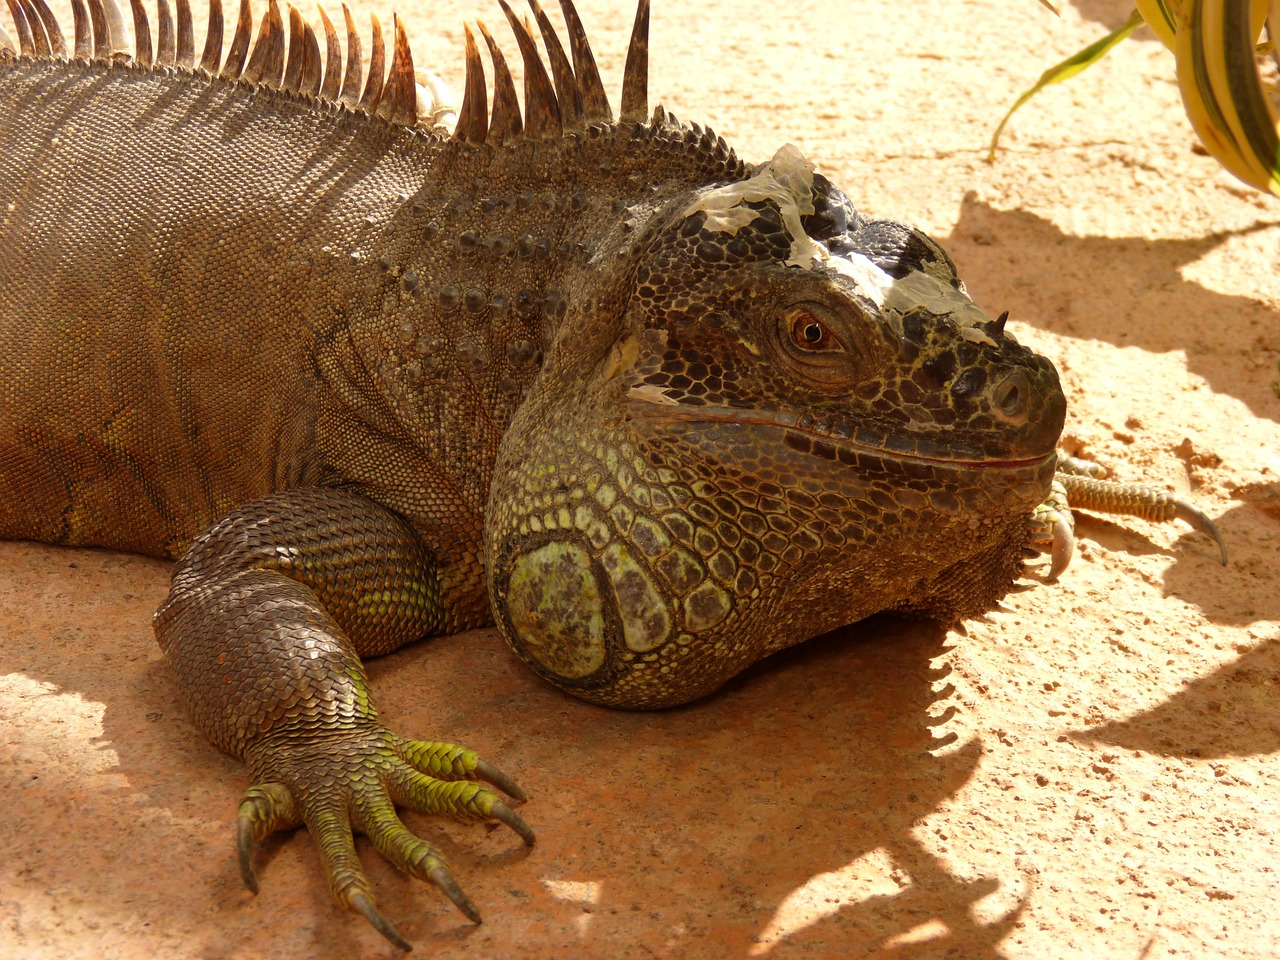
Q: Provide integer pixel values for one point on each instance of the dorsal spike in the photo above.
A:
(234, 65)
(635, 76)
(312, 68)
(266, 63)
(186, 35)
(541, 109)
(595, 102)
(355, 61)
(292, 74)
(57, 45)
(22, 30)
(119, 32)
(399, 103)
(26, 45)
(567, 93)
(332, 58)
(212, 55)
(141, 34)
(505, 123)
(473, 118)
(166, 45)
(83, 30)
(39, 39)
(6, 43)
(293, 65)
(377, 67)
(101, 30)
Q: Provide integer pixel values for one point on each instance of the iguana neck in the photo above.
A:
(486, 237)
(472, 262)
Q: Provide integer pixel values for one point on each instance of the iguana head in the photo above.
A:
(800, 419)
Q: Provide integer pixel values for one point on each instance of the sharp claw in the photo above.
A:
(491, 774)
(364, 906)
(1200, 520)
(1064, 546)
(443, 879)
(244, 852)
(500, 811)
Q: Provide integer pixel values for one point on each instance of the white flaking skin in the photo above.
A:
(787, 180)
(917, 290)
(437, 107)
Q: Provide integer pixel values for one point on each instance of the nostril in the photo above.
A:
(1011, 395)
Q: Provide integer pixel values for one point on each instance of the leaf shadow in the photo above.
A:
(1232, 712)
(1120, 290)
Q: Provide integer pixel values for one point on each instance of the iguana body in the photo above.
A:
(654, 412)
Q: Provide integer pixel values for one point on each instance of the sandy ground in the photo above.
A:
(1095, 773)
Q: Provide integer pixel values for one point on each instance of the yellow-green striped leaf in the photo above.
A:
(1066, 69)
(1222, 90)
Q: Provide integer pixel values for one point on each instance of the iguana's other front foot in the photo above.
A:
(1053, 527)
(1082, 484)
(352, 782)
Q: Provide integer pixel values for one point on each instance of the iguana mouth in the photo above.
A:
(828, 439)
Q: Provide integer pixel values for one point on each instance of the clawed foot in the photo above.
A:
(351, 781)
(1082, 484)
(1053, 530)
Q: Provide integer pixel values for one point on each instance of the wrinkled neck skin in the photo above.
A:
(686, 491)
(480, 269)
(641, 558)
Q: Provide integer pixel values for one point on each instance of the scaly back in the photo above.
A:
(326, 281)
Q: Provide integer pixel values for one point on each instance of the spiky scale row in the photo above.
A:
(560, 96)
(36, 28)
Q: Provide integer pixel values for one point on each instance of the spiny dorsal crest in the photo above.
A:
(559, 95)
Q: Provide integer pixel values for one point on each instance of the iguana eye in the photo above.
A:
(819, 346)
(809, 332)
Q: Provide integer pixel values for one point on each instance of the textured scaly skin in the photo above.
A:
(373, 385)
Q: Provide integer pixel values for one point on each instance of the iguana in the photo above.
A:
(655, 412)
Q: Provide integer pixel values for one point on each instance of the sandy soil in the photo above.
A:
(1094, 773)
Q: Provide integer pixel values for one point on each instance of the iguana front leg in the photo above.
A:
(266, 620)
(1083, 484)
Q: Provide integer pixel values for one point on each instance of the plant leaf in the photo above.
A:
(1162, 18)
(1066, 69)
(1222, 90)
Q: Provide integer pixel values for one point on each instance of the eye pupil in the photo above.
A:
(809, 332)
